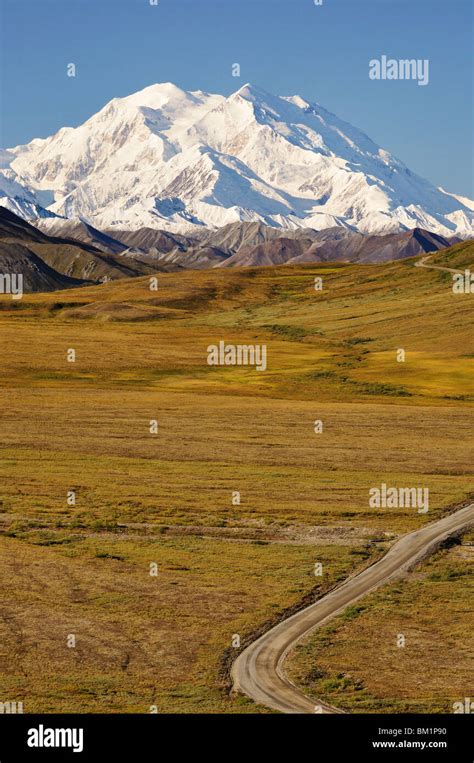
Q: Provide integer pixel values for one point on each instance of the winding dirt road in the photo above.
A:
(422, 264)
(258, 671)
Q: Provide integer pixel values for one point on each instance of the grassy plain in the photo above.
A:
(223, 568)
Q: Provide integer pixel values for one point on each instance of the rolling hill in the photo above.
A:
(51, 262)
(338, 244)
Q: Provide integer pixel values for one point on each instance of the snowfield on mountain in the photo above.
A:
(170, 159)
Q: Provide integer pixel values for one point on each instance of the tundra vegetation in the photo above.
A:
(81, 565)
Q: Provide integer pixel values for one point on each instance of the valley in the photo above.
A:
(224, 568)
(73, 253)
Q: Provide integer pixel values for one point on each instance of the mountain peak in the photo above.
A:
(168, 158)
(252, 92)
(157, 95)
(169, 88)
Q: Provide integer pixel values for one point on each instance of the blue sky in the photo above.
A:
(285, 46)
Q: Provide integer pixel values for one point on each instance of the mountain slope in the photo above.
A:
(233, 237)
(338, 244)
(37, 274)
(15, 228)
(279, 251)
(180, 161)
(57, 263)
(153, 240)
(81, 231)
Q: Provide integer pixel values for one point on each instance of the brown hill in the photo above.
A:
(149, 240)
(80, 230)
(278, 251)
(338, 244)
(17, 258)
(234, 237)
(82, 262)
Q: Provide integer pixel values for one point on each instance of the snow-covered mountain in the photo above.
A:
(175, 160)
(16, 194)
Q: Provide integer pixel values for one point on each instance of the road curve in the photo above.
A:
(422, 264)
(258, 671)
